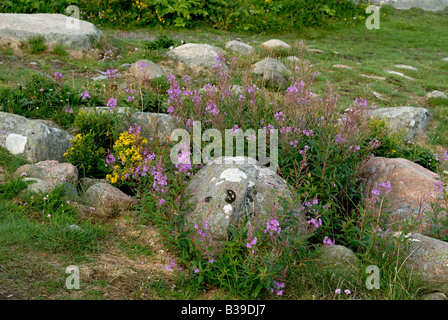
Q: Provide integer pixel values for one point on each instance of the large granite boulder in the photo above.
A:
(339, 258)
(51, 171)
(230, 189)
(275, 43)
(272, 72)
(47, 175)
(437, 94)
(54, 28)
(412, 188)
(426, 259)
(269, 66)
(158, 125)
(108, 200)
(239, 47)
(412, 119)
(195, 54)
(32, 139)
(146, 70)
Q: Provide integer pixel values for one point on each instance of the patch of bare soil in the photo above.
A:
(116, 273)
(28, 275)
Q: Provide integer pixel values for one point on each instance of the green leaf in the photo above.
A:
(258, 289)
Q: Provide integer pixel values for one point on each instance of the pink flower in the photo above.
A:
(85, 95)
(58, 75)
(111, 103)
(328, 242)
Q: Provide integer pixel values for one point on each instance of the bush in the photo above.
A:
(393, 145)
(319, 13)
(87, 156)
(36, 6)
(163, 42)
(245, 15)
(98, 125)
(44, 97)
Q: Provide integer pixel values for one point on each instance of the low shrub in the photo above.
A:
(253, 16)
(44, 97)
(87, 156)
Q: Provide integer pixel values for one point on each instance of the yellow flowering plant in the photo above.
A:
(130, 157)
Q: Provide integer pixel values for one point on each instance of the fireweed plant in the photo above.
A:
(321, 148)
(439, 196)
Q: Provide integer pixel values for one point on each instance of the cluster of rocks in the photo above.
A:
(412, 189)
(95, 194)
(39, 140)
(228, 191)
(79, 35)
(204, 56)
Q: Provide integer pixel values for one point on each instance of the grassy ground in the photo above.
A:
(121, 258)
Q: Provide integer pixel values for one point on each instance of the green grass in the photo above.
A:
(314, 283)
(59, 50)
(9, 162)
(37, 45)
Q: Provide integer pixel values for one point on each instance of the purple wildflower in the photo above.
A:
(111, 103)
(85, 95)
(328, 242)
(272, 226)
(58, 75)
